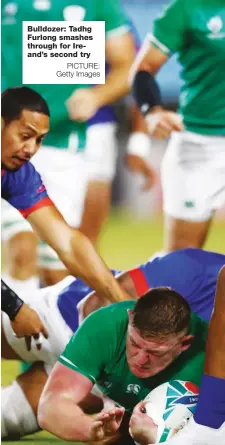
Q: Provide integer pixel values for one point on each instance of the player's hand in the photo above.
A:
(28, 324)
(141, 427)
(106, 423)
(137, 164)
(83, 104)
(161, 123)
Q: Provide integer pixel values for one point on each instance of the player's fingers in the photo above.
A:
(28, 342)
(175, 121)
(37, 340)
(160, 134)
(139, 408)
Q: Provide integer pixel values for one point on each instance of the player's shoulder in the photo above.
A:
(111, 315)
(198, 327)
(21, 176)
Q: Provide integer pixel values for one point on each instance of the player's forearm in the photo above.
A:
(115, 88)
(64, 419)
(83, 261)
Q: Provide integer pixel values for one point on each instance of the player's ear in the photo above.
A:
(186, 342)
(2, 123)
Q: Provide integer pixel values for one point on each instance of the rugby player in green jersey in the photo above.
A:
(136, 347)
(193, 170)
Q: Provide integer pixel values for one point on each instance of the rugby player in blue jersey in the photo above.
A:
(25, 122)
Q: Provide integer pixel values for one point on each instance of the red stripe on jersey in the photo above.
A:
(45, 202)
(139, 280)
(2, 172)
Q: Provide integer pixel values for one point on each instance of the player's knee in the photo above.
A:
(17, 417)
(181, 234)
(23, 248)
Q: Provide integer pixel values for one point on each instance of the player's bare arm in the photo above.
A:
(60, 414)
(84, 103)
(76, 252)
(160, 122)
(94, 301)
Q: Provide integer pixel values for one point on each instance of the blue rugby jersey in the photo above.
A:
(24, 189)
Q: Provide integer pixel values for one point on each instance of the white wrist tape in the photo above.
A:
(139, 144)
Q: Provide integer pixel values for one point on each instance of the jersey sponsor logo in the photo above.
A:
(42, 5)
(133, 389)
(215, 25)
(9, 13)
(74, 13)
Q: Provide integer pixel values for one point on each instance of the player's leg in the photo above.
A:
(100, 155)
(19, 251)
(51, 269)
(20, 401)
(66, 184)
(179, 233)
(192, 181)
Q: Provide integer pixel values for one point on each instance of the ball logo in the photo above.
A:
(179, 392)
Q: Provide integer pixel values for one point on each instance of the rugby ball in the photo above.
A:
(170, 406)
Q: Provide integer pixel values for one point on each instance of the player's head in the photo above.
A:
(157, 331)
(25, 121)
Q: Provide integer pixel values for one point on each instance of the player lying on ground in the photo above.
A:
(191, 272)
(136, 347)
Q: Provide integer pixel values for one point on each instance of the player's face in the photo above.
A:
(21, 138)
(148, 356)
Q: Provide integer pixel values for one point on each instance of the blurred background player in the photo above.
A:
(193, 169)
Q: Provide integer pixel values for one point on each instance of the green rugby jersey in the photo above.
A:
(195, 30)
(98, 351)
(13, 13)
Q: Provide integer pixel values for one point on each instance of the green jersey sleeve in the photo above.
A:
(116, 21)
(170, 29)
(91, 347)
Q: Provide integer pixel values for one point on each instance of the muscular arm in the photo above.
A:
(76, 252)
(58, 410)
(119, 55)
